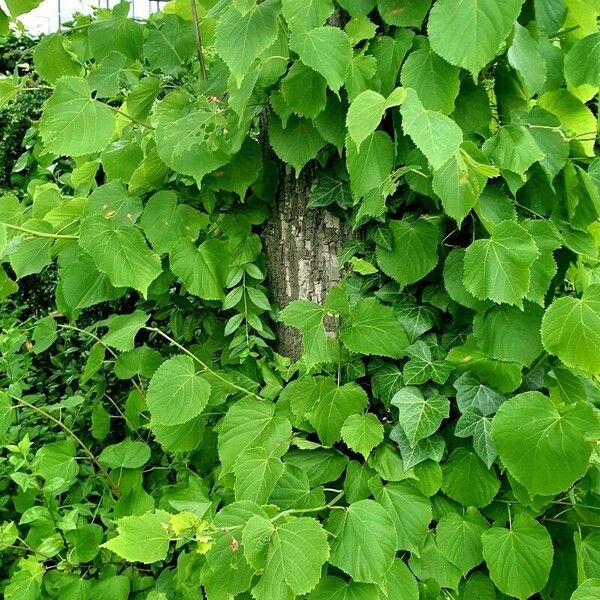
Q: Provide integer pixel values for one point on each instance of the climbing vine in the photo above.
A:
(438, 437)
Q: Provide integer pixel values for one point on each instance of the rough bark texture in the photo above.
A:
(302, 247)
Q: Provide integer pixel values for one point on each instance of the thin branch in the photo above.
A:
(198, 40)
(54, 236)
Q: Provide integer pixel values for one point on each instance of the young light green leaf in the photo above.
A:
(327, 50)
(72, 123)
(468, 33)
(544, 446)
(582, 62)
(144, 538)
(519, 558)
(176, 393)
(436, 135)
(571, 330)
(304, 15)
(362, 433)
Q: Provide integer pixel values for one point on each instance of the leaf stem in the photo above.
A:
(90, 455)
(196, 20)
(54, 236)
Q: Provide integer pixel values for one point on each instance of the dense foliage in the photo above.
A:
(438, 438)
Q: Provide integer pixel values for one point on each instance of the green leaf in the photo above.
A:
(433, 79)
(297, 142)
(170, 44)
(373, 329)
(399, 583)
(127, 454)
(327, 50)
(364, 540)
(143, 538)
(405, 13)
(362, 433)
(117, 33)
(508, 333)
(467, 480)
(519, 558)
(44, 334)
(288, 569)
(418, 416)
(121, 253)
(582, 62)
(334, 405)
(202, 269)
(437, 136)
(410, 511)
(415, 239)
(513, 148)
(588, 590)
(308, 317)
(56, 461)
(371, 167)
(72, 123)
(180, 438)
(333, 588)
(545, 447)
(304, 15)
(459, 538)
(176, 393)
(430, 564)
(52, 61)
(256, 473)
(571, 330)
(524, 55)
(251, 423)
(459, 183)
(241, 38)
(105, 80)
(366, 112)
(473, 424)
(499, 268)
(122, 330)
(468, 33)
(304, 90)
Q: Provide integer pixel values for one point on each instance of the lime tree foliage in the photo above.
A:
(438, 437)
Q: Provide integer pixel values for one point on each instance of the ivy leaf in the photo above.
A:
(582, 62)
(144, 538)
(471, 393)
(410, 510)
(364, 540)
(413, 253)
(288, 568)
(366, 112)
(362, 433)
(121, 253)
(571, 330)
(437, 136)
(304, 15)
(499, 268)
(256, 473)
(433, 79)
(251, 423)
(419, 417)
(429, 448)
(545, 447)
(297, 142)
(467, 480)
(72, 123)
(459, 538)
(468, 33)
(327, 50)
(373, 329)
(241, 37)
(473, 424)
(176, 393)
(308, 317)
(519, 558)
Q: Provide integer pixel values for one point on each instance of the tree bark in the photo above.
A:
(303, 247)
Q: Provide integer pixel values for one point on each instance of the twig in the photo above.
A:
(198, 40)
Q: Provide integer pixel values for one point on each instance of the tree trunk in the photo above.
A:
(302, 247)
